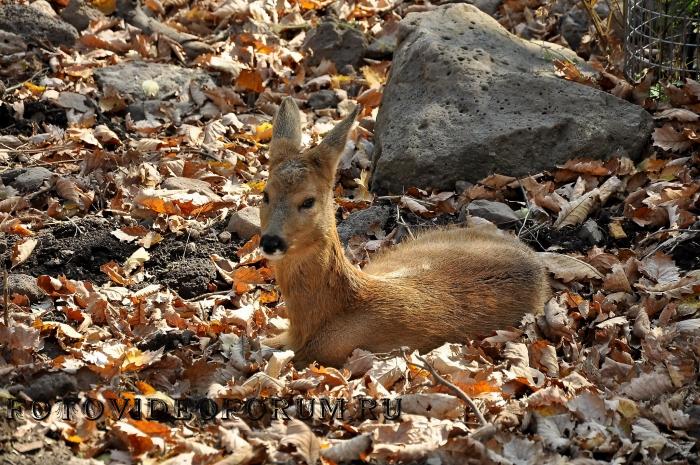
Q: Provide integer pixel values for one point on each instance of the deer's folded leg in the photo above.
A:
(281, 341)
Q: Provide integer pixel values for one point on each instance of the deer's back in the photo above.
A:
(448, 285)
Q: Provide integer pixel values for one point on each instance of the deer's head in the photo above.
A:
(297, 212)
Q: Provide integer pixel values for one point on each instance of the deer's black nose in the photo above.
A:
(271, 244)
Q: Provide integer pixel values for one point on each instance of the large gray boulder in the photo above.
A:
(33, 25)
(465, 99)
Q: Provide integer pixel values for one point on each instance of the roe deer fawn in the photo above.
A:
(443, 286)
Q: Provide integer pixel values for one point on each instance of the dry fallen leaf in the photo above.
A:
(568, 268)
(348, 450)
(22, 250)
(576, 211)
(413, 205)
(300, 436)
(678, 114)
(668, 138)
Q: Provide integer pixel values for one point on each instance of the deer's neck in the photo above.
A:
(317, 286)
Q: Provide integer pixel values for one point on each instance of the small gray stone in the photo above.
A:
(323, 99)
(363, 222)
(245, 222)
(42, 6)
(35, 26)
(590, 232)
(79, 14)
(224, 237)
(382, 48)
(573, 25)
(487, 6)
(128, 78)
(31, 179)
(461, 186)
(25, 285)
(339, 43)
(496, 212)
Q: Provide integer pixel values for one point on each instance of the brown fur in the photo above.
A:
(446, 285)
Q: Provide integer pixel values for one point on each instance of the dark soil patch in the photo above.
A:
(75, 249)
(687, 254)
(565, 239)
(35, 113)
(569, 238)
(79, 248)
(185, 265)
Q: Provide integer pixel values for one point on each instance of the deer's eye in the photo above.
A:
(308, 203)
(266, 198)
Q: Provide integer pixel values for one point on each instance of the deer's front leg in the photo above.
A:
(281, 341)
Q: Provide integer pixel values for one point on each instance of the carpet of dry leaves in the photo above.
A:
(607, 374)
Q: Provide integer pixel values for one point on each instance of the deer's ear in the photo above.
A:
(286, 131)
(328, 152)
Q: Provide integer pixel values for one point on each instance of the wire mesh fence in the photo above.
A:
(662, 36)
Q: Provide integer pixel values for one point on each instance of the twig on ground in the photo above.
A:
(208, 294)
(78, 229)
(454, 388)
(60, 162)
(20, 84)
(56, 148)
(398, 197)
(400, 220)
(139, 19)
(668, 230)
(672, 242)
(529, 208)
(6, 297)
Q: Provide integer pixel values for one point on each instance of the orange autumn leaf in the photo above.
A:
(250, 252)
(94, 41)
(250, 79)
(158, 205)
(207, 208)
(268, 297)
(20, 300)
(245, 277)
(263, 132)
(370, 98)
(145, 388)
(569, 71)
(74, 438)
(115, 273)
(105, 6)
(135, 359)
(74, 314)
(15, 226)
(313, 4)
(474, 389)
(151, 427)
(573, 300)
(34, 89)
